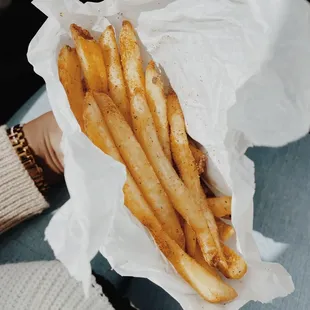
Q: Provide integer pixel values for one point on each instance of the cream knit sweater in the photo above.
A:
(37, 285)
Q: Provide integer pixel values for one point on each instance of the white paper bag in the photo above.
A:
(242, 72)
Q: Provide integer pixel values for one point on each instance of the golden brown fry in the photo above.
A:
(206, 283)
(91, 59)
(237, 266)
(199, 156)
(116, 83)
(140, 168)
(190, 239)
(157, 102)
(70, 75)
(225, 231)
(131, 59)
(185, 162)
(220, 206)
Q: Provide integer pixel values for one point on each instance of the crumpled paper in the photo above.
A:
(241, 70)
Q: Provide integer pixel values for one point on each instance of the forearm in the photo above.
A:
(19, 197)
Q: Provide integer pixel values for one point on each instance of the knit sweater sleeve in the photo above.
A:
(46, 285)
(19, 197)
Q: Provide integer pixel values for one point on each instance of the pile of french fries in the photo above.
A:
(125, 112)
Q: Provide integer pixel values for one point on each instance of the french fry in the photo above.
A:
(237, 266)
(225, 231)
(138, 165)
(187, 168)
(199, 156)
(190, 239)
(131, 59)
(91, 59)
(140, 168)
(157, 102)
(220, 206)
(70, 74)
(208, 285)
(116, 83)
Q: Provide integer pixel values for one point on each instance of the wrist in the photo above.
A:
(38, 137)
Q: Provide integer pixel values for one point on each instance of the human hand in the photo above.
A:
(44, 136)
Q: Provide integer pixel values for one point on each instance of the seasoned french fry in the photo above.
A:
(91, 59)
(140, 168)
(116, 83)
(237, 266)
(190, 239)
(157, 102)
(131, 59)
(187, 168)
(199, 156)
(136, 161)
(220, 206)
(225, 231)
(70, 75)
(208, 285)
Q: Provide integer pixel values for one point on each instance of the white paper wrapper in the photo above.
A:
(241, 70)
